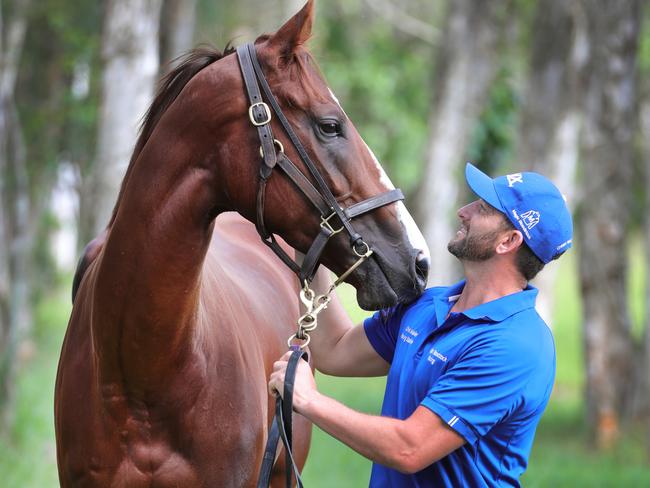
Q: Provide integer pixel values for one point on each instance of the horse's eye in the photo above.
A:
(330, 128)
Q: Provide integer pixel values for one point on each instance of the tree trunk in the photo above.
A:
(642, 389)
(130, 57)
(466, 67)
(609, 87)
(14, 195)
(550, 120)
(177, 22)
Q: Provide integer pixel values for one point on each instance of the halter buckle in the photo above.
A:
(324, 223)
(252, 116)
(278, 145)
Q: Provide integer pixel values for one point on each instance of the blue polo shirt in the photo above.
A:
(487, 372)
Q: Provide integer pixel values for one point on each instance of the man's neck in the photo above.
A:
(486, 281)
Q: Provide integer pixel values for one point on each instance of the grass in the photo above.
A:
(562, 455)
(28, 458)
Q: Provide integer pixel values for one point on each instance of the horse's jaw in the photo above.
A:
(374, 290)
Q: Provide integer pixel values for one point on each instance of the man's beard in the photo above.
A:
(474, 248)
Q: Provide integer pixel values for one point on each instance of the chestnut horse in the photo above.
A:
(177, 320)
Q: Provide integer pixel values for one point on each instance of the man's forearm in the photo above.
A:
(379, 439)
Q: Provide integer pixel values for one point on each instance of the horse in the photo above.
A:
(180, 310)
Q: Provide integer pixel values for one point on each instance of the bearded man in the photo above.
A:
(470, 366)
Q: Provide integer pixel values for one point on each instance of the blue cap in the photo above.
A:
(532, 203)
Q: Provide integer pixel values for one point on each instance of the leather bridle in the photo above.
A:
(320, 195)
(322, 198)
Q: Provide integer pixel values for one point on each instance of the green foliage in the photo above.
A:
(644, 42)
(493, 139)
(62, 40)
(28, 457)
(383, 83)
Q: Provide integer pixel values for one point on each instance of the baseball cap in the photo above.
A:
(532, 203)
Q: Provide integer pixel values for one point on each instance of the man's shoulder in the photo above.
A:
(527, 339)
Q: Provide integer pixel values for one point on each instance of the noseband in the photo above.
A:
(320, 195)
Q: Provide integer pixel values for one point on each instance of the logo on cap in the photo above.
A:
(514, 178)
(530, 218)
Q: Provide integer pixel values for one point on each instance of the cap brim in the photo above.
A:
(482, 185)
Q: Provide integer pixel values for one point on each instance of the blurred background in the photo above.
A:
(556, 86)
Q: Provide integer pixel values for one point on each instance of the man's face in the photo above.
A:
(480, 226)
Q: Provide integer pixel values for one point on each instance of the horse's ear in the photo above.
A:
(295, 31)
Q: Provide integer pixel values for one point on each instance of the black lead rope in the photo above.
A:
(281, 428)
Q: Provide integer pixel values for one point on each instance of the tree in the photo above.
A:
(465, 68)
(177, 22)
(15, 316)
(550, 115)
(130, 66)
(641, 406)
(608, 83)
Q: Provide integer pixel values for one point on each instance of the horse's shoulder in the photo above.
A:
(89, 254)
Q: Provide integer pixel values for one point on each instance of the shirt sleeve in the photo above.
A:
(382, 330)
(483, 387)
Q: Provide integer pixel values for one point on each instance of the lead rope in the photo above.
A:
(281, 428)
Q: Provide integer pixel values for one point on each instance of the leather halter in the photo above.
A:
(319, 195)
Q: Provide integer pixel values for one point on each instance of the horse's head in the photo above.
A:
(397, 270)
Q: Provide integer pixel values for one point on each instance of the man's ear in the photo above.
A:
(509, 242)
(295, 32)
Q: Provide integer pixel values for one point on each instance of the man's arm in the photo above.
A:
(338, 347)
(405, 445)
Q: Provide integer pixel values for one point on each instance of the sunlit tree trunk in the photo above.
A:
(177, 22)
(550, 121)
(465, 68)
(609, 87)
(130, 66)
(15, 315)
(642, 390)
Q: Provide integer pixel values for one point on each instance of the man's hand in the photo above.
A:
(304, 388)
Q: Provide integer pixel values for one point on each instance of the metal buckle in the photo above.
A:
(324, 222)
(277, 143)
(252, 117)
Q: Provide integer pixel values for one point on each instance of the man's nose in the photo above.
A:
(465, 212)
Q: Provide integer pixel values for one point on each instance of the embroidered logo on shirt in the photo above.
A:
(409, 338)
(434, 355)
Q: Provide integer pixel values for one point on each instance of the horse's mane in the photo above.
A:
(169, 87)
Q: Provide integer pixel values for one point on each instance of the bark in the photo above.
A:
(130, 59)
(609, 86)
(642, 390)
(550, 120)
(466, 66)
(398, 18)
(177, 23)
(14, 195)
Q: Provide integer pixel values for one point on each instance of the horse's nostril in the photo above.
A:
(422, 267)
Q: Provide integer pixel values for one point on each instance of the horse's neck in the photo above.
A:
(148, 282)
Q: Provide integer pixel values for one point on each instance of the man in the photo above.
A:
(470, 367)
